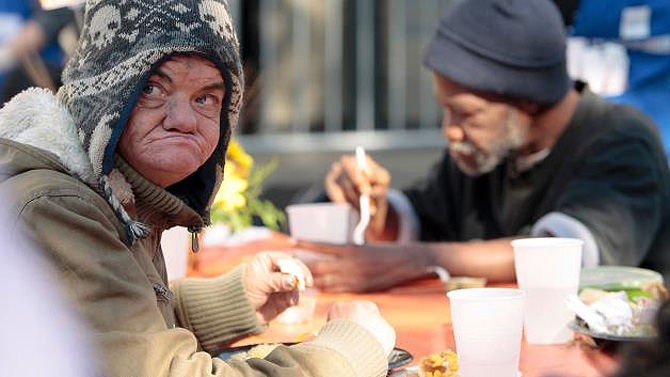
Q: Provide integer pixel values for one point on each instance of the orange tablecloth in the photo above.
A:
(419, 312)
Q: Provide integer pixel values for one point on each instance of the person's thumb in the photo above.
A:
(281, 282)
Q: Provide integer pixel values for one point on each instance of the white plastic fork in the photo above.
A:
(363, 202)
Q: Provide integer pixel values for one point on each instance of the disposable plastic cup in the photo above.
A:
(301, 313)
(322, 222)
(487, 324)
(547, 269)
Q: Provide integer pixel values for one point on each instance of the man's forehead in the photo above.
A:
(446, 89)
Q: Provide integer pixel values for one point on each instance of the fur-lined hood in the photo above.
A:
(36, 118)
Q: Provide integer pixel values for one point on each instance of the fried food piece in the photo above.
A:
(439, 364)
(257, 352)
(589, 295)
(462, 282)
(290, 267)
(656, 290)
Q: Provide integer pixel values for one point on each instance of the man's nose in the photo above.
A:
(453, 132)
(181, 116)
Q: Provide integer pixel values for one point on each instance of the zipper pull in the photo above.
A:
(195, 245)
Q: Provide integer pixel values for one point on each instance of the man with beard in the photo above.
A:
(133, 144)
(529, 154)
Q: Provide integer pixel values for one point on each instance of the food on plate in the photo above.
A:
(257, 352)
(590, 295)
(623, 313)
(462, 282)
(288, 266)
(439, 364)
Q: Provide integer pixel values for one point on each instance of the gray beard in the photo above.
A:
(511, 140)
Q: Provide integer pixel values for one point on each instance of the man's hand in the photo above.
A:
(270, 290)
(349, 268)
(346, 182)
(366, 314)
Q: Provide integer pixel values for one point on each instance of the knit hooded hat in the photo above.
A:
(121, 43)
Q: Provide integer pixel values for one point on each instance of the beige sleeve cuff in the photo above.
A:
(217, 310)
(363, 352)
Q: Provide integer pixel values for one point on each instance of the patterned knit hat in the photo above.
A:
(121, 43)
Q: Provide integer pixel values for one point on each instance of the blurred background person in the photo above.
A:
(30, 53)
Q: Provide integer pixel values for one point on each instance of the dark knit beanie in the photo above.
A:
(513, 48)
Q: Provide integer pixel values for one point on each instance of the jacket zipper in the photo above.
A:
(162, 292)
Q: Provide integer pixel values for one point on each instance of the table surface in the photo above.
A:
(419, 312)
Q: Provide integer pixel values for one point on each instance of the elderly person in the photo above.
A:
(529, 154)
(134, 144)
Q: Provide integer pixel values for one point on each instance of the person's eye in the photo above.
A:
(149, 89)
(208, 100)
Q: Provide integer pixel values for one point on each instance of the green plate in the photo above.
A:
(617, 278)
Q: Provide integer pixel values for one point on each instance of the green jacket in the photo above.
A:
(143, 328)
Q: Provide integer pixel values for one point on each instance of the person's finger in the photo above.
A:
(309, 279)
(325, 248)
(320, 268)
(379, 192)
(333, 189)
(329, 283)
(282, 282)
(285, 300)
(358, 177)
(276, 304)
(302, 272)
(294, 298)
(378, 176)
(351, 194)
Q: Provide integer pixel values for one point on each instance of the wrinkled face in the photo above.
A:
(480, 131)
(175, 125)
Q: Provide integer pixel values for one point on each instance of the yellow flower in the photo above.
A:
(237, 203)
(238, 156)
(231, 194)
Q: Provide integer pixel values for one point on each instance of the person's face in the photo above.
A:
(480, 131)
(174, 127)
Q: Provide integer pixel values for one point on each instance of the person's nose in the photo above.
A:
(454, 133)
(181, 116)
(451, 130)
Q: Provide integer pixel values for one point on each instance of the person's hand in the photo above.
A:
(270, 290)
(349, 268)
(367, 315)
(346, 182)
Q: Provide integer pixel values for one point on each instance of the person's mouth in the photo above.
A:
(466, 159)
